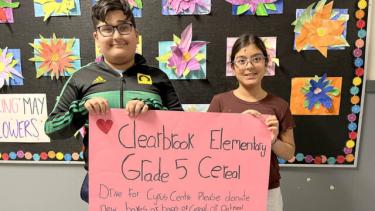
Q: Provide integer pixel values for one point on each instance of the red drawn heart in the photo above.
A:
(104, 125)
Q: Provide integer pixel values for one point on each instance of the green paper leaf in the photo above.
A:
(242, 9)
(5, 4)
(200, 56)
(164, 58)
(36, 59)
(334, 92)
(13, 63)
(343, 17)
(70, 70)
(276, 61)
(270, 6)
(346, 44)
(139, 4)
(305, 17)
(317, 105)
(39, 73)
(333, 14)
(261, 10)
(74, 57)
(320, 4)
(306, 103)
(186, 72)
(305, 90)
(176, 39)
(9, 55)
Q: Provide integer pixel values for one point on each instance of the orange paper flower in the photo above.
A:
(55, 55)
(320, 30)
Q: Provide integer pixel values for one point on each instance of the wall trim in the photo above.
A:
(370, 86)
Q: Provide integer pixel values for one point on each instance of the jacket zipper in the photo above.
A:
(122, 91)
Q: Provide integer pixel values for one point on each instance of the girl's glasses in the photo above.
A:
(242, 62)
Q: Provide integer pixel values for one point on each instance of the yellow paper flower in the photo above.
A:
(56, 56)
(59, 7)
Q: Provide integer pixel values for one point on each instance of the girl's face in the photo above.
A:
(249, 66)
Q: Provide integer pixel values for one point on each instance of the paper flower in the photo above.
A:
(187, 6)
(6, 14)
(258, 7)
(270, 43)
(59, 7)
(7, 70)
(56, 56)
(135, 3)
(318, 29)
(319, 91)
(184, 55)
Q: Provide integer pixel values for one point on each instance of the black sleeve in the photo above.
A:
(169, 95)
(69, 113)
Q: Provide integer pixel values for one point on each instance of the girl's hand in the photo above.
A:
(252, 112)
(97, 105)
(273, 126)
(136, 107)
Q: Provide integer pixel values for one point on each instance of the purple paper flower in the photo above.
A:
(7, 64)
(184, 55)
(188, 6)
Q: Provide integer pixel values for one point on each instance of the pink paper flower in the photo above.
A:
(252, 3)
(183, 55)
(189, 6)
(135, 3)
(132, 3)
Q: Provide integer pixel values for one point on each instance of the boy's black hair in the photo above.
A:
(102, 7)
(246, 40)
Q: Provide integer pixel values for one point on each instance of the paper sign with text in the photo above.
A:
(168, 160)
(23, 117)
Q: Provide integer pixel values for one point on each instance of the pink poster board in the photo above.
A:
(165, 160)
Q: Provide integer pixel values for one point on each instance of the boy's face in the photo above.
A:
(117, 49)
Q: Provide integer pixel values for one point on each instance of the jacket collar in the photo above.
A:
(138, 60)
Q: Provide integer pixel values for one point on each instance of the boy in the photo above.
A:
(121, 79)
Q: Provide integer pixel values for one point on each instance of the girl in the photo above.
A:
(249, 60)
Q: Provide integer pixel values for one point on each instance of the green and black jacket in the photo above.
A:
(97, 79)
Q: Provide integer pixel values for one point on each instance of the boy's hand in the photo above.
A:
(136, 107)
(273, 126)
(97, 105)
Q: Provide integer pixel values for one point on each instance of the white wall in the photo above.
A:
(371, 49)
(45, 187)
(309, 189)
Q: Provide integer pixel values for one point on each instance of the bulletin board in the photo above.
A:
(324, 137)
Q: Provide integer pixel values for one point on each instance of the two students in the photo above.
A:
(117, 82)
